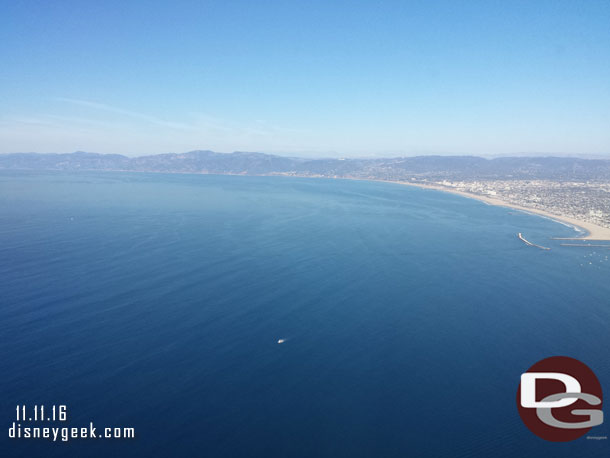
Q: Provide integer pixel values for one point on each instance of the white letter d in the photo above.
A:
(528, 389)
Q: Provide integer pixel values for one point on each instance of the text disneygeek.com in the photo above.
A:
(34, 422)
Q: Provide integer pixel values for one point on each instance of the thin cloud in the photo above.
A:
(121, 111)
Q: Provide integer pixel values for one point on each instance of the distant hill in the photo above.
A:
(400, 168)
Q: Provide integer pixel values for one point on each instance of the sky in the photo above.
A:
(310, 78)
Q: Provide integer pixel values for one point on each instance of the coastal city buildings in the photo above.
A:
(586, 201)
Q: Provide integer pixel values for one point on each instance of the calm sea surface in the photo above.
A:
(156, 302)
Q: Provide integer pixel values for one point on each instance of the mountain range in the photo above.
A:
(399, 168)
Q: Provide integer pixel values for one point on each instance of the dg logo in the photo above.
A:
(560, 399)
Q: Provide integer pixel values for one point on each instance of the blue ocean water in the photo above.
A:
(156, 302)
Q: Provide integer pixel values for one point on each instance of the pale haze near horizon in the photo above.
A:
(306, 79)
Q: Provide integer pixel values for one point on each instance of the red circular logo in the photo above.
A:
(560, 399)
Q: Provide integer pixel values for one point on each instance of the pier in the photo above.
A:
(586, 245)
(527, 242)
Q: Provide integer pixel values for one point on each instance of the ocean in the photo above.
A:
(407, 316)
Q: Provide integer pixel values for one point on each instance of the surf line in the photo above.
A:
(527, 242)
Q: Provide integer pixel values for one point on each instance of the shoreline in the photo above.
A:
(592, 231)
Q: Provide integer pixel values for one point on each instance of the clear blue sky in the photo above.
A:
(316, 78)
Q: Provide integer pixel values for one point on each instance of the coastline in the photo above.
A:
(592, 231)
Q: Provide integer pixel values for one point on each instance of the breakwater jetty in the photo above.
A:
(527, 242)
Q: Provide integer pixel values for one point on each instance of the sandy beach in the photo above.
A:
(593, 231)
